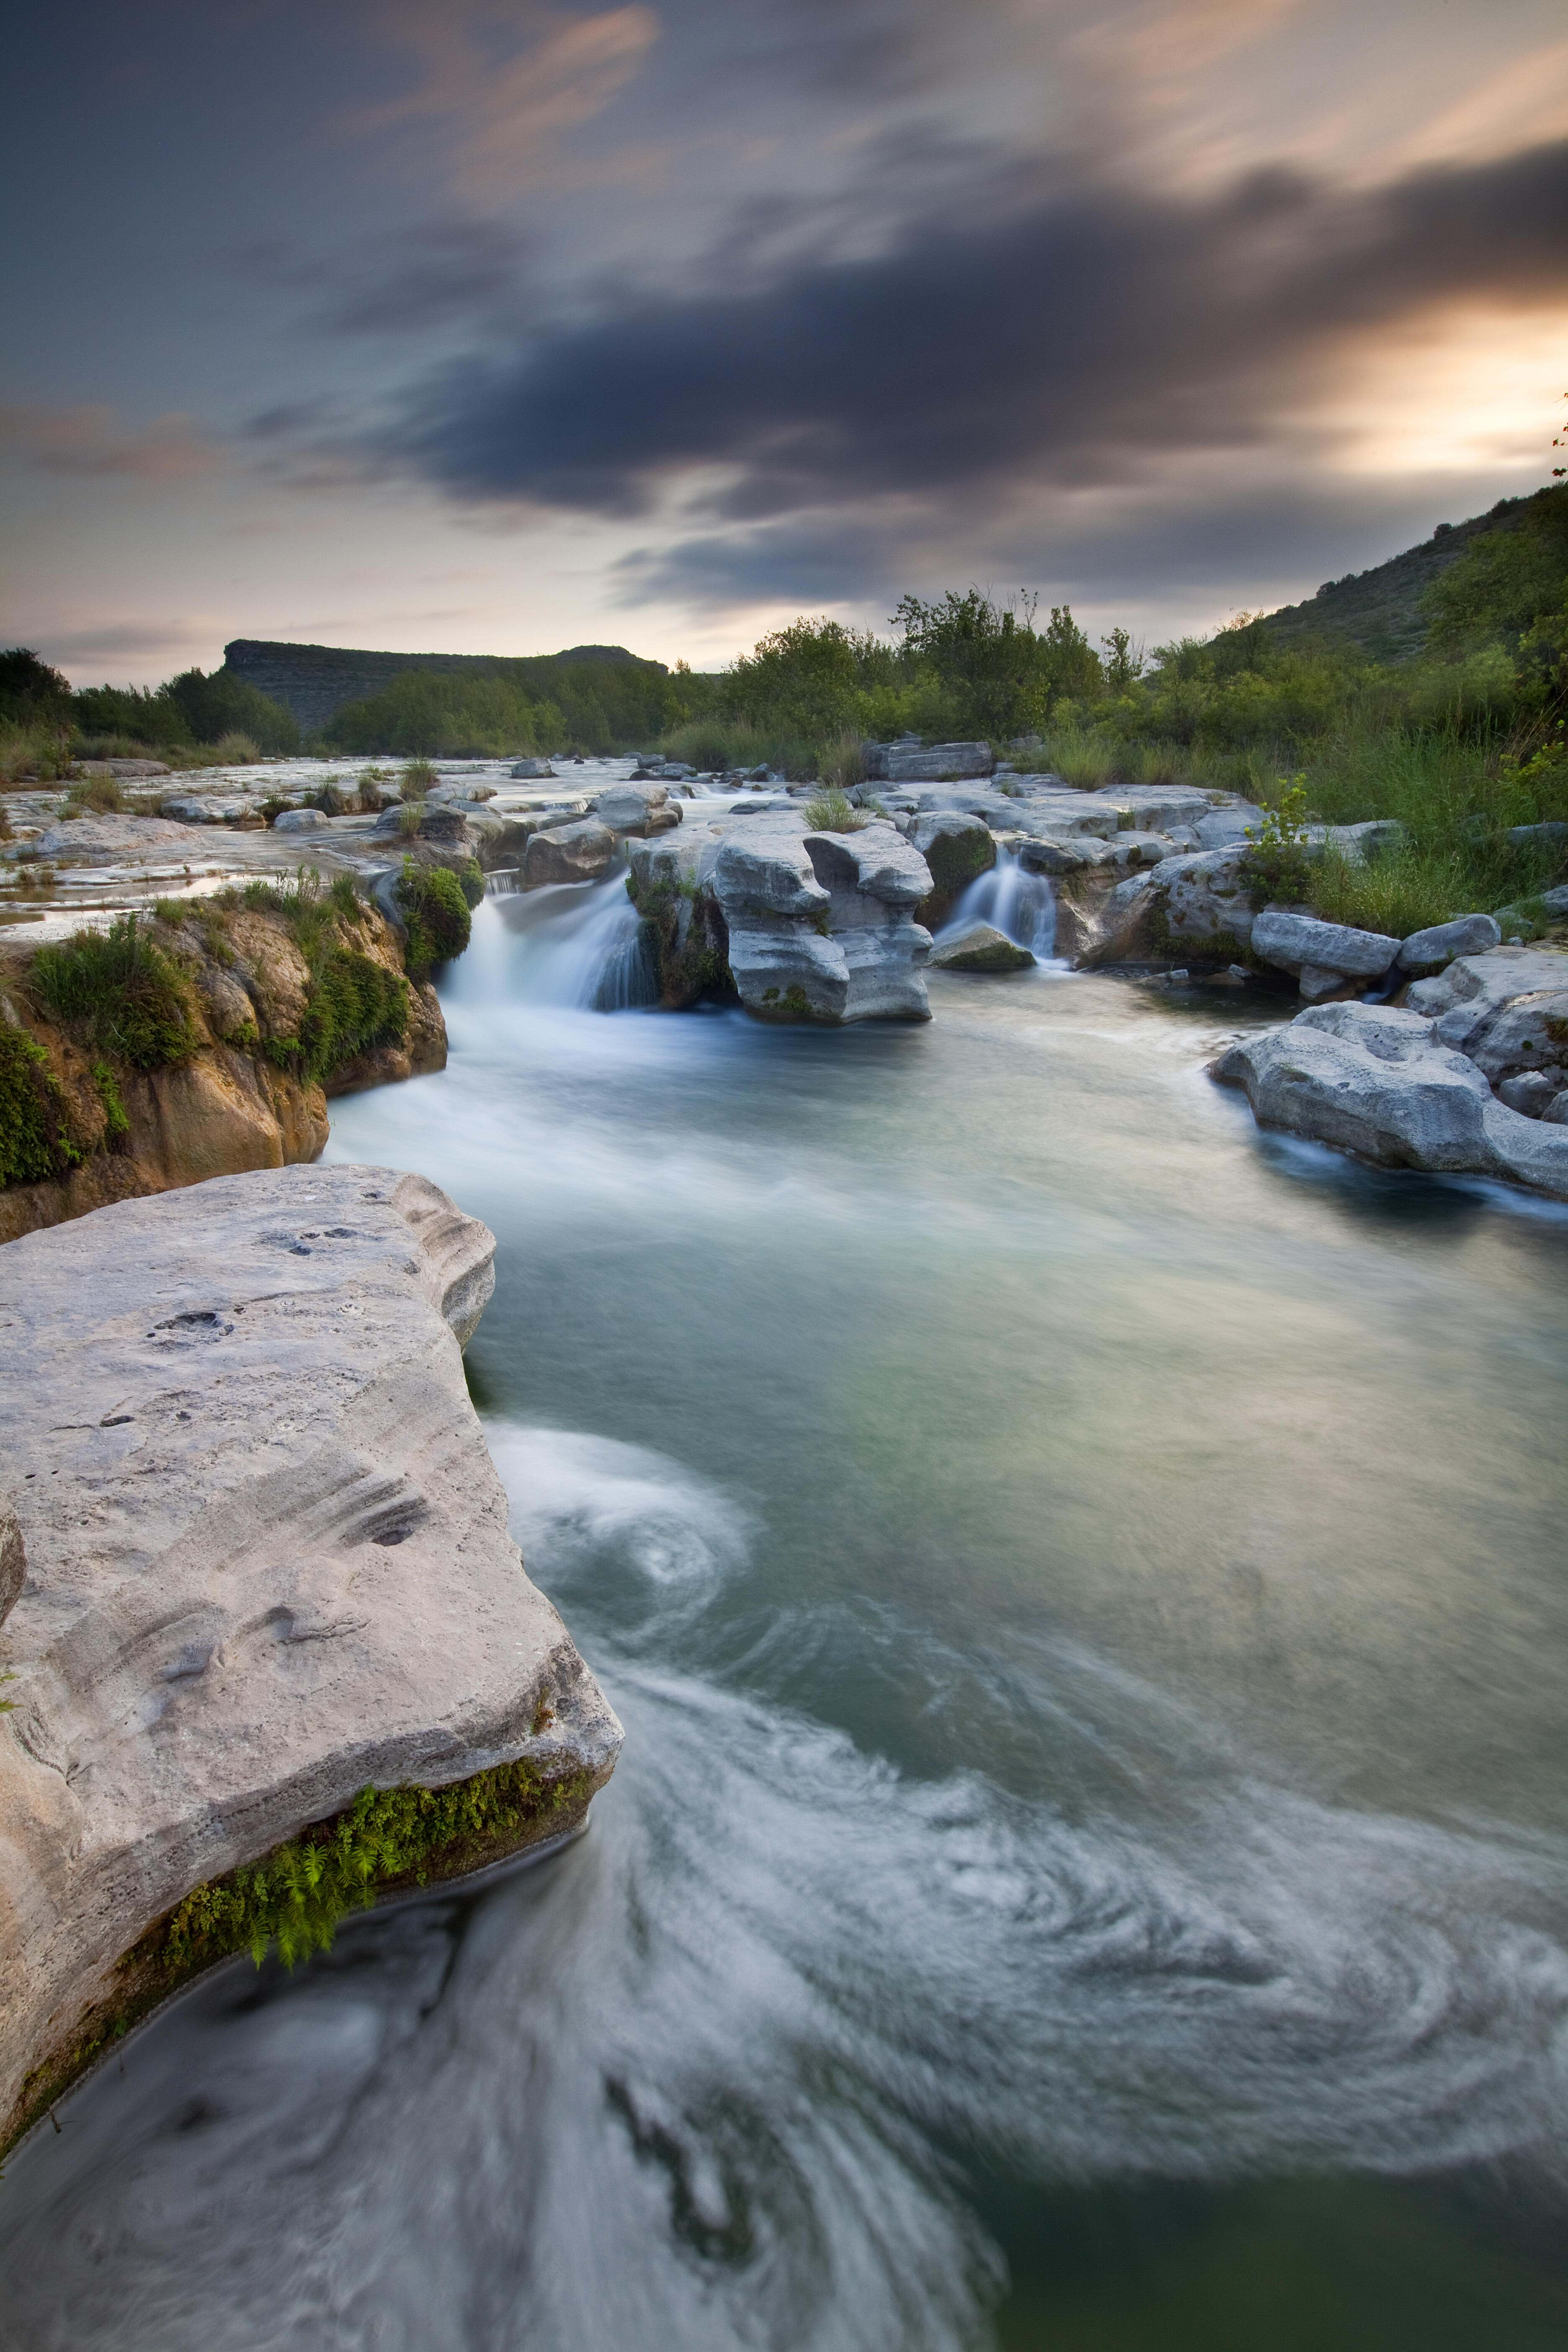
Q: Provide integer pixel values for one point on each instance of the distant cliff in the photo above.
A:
(314, 681)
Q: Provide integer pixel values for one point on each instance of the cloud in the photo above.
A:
(429, 274)
(504, 106)
(85, 440)
(1079, 340)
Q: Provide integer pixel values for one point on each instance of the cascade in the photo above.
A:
(1016, 902)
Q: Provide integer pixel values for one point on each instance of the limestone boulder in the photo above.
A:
(1332, 951)
(637, 808)
(912, 764)
(266, 1565)
(568, 853)
(1206, 901)
(980, 948)
(301, 819)
(531, 770)
(1379, 1082)
(1229, 828)
(1432, 949)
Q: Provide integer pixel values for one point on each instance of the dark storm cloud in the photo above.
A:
(1058, 342)
(1198, 543)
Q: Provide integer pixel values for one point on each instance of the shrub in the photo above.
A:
(437, 916)
(1278, 866)
(418, 777)
(37, 1141)
(120, 990)
(238, 751)
(832, 813)
(410, 816)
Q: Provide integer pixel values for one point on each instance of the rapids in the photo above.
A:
(1084, 1585)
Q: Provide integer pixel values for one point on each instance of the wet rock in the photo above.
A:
(1381, 1083)
(568, 853)
(1429, 951)
(531, 770)
(267, 1563)
(981, 948)
(1293, 942)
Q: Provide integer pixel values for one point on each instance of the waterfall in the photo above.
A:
(1016, 902)
(576, 946)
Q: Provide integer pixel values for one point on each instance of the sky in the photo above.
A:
(495, 326)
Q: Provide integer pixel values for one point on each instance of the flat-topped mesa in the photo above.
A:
(271, 1647)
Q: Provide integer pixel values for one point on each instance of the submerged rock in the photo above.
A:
(267, 1568)
(981, 948)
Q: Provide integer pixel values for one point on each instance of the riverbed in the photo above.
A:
(1086, 1589)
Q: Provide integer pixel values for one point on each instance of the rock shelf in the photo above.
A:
(256, 1560)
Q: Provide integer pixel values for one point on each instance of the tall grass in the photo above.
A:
(714, 745)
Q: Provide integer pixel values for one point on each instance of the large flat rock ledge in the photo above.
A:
(255, 1558)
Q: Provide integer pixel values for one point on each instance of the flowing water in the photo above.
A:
(1086, 1588)
(1018, 903)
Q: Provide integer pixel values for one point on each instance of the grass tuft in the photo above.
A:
(121, 991)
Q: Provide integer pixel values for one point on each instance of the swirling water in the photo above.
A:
(1083, 1584)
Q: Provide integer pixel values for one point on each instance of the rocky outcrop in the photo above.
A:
(1412, 1086)
(249, 1089)
(269, 1598)
(820, 926)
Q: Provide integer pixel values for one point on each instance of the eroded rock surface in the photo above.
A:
(266, 1562)
(1386, 1083)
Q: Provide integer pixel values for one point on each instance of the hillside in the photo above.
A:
(314, 681)
(1378, 611)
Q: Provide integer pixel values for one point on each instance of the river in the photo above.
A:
(1085, 1585)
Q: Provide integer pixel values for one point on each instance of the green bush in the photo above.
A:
(36, 1139)
(238, 751)
(121, 991)
(435, 914)
(418, 775)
